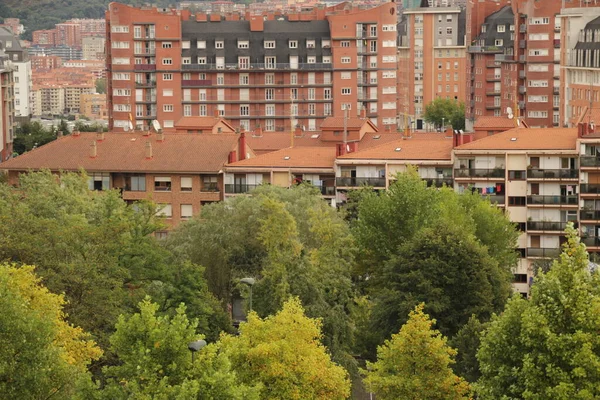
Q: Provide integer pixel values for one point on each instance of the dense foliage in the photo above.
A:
(446, 113)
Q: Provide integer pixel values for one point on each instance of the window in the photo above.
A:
(270, 110)
(219, 44)
(501, 28)
(121, 76)
(325, 43)
(186, 183)
(119, 29)
(168, 107)
(294, 93)
(498, 42)
(167, 61)
(392, 74)
(311, 59)
(244, 79)
(310, 43)
(516, 201)
(164, 210)
(269, 94)
(346, 91)
(346, 75)
(538, 52)
(539, 21)
(201, 44)
(311, 94)
(186, 60)
(202, 60)
(391, 28)
(167, 45)
(136, 183)
(243, 44)
(121, 107)
(202, 94)
(202, 110)
(345, 43)
(293, 78)
(99, 181)
(121, 92)
(345, 60)
(243, 62)
(121, 61)
(137, 32)
(220, 79)
(186, 211)
(244, 110)
(389, 59)
(312, 107)
(187, 110)
(167, 92)
(270, 125)
(116, 45)
(327, 108)
(269, 44)
(162, 183)
(167, 77)
(448, 31)
(517, 175)
(293, 44)
(270, 62)
(327, 94)
(373, 30)
(209, 183)
(185, 44)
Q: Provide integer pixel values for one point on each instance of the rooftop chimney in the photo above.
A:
(161, 135)
(100, 135)
(147, 132)
(148, 150)
(76, 132)
(93, 150)
(242, 145)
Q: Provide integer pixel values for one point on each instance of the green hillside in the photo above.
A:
(43, 14)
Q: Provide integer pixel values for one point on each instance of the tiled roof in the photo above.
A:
(292, 157)
(125, 152)
(490, 122)
(418, 147)
(351, 123)
(526, 139)
(589, 115)
(198, 122)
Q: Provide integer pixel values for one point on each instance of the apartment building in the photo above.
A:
(92, 47)
(93, 106)
(273, 71)
(7, 111)
(96, 67)
(432, 59)
(62, 51)
(21, 65)
(45, 62)
(179, 172)
(14, 24)
(59, 99)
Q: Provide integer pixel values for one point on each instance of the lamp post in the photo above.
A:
(250, 282)
(443, 123)
(196, 346)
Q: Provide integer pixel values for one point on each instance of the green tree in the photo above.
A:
(42, 356)
(417, 244)
(101, 85)
(445, 111)
(415, 364)
(283, 352)
(547, 347)
(155, 361)
(31, 134)
(467, 342)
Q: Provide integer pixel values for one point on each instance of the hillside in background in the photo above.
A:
(44, 14)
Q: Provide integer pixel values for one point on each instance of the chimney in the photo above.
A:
(100, 135)
(298, 131)
(216, 113)
(580, 130)
(147, 132)
(257, 23)
(59, 134)
(242, 146)
(148, 150)
(76, 132)
(161, 135)
(363, 112)
(93, 150)
(448, 132)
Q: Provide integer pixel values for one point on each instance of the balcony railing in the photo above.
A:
(240, 187)
(589, 161)
(439, 182)
(495, 198)
(484, 49)
(590, 188)
(546, 226)
(479, 173)
(251, 66)
(571, 200)
(144, 67)
(541, 252)
(196, 82)
(538, 173)
(326, 190)
(357, 182)
(591, 241)
(593, 215)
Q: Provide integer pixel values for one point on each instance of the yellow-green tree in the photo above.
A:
(42, 355)
(415, 364)
(283, 352)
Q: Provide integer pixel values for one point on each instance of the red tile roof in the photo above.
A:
(491, 122)
(292, 157)
(418, 147)
(527, 139)
(125, 152)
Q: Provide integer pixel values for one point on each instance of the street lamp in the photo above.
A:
(195, 346)
(250, 282)
(443, 124)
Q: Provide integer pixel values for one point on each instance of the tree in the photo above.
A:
(547, 347)
(101, 85)
(467, 342)
(42, 355)
(156, 363)
(415, 364)
(31, 134)
(417, 244)
(445, 111)
(283, 352)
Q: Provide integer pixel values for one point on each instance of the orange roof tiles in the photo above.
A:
(527, 139)
(418, 147)
(491, 122)
(292, 157)
(125, 152)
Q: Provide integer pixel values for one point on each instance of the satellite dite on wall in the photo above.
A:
(156, 125)
(130, 125)
(509, 113)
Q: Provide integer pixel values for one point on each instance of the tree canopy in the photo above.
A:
(547, 347)
(446, 112)
(415, 364)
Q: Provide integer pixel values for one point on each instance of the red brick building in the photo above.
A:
(269, 71)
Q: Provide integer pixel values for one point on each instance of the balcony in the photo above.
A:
(485, 49)
(145, 52)
(522, 89)
(589, 188)
(495, 198)
(543, 174)
(326, 190)
(237, 188)
(145, 84)
(493, 92)
(479, 173)
(196, 82)
(491, 105)
(504, 57)
(358, 182)
(493, 64)
(522, 44)
(493, 78)
(144, 67)
(591, 241)
(522, 28)
(540, 252)
(556, 90)
(558, 200)
(439, 182)
(589, 161)
(258, 66)
(546, 226)
(522, 74)
(589, 215)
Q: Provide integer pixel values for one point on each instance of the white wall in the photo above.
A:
(23, 76)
